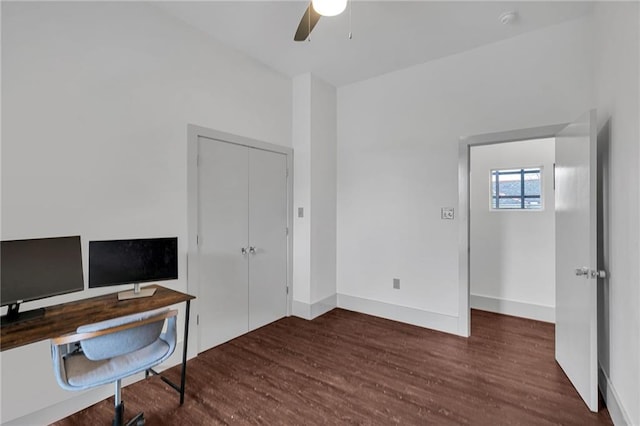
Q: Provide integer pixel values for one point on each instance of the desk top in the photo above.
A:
(65, 318)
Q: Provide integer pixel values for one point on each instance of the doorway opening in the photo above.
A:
(512, 229)
(575, 179)
(464, 183)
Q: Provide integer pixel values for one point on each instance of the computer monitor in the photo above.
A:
(37, 268)
(133, 261)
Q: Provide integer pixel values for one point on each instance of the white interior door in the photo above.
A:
(267, 237)
(223, 182)
(576, 256)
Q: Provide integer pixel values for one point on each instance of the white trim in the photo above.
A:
(301, 310)
(618, 414)
(514, 308)
(421, 318)
(193, 134)
(464, 310)
(314, 310)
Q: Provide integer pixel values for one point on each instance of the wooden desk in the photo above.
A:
(65, 318)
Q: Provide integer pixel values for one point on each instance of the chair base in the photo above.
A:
(118, 419)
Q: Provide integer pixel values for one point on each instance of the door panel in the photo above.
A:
(267, 233)
(576, 256)
(222, 222)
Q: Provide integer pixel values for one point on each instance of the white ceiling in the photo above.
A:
(387, 35)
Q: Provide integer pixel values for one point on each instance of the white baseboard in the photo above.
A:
(511, 307)
(427, 319)
(83, 399)
(314, 310)
(618, 414)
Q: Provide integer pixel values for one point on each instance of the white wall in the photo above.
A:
(512, 261)
(323, 190)
(398, 160)
(302, 194)
(617, 98)
(314, 142)
(95, 104)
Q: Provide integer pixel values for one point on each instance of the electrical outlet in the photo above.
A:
(446, 213)
(396, 283)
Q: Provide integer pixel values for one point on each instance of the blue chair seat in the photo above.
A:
(83, 373)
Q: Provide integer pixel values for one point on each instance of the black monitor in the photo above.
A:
(134, 261)
(37, 268)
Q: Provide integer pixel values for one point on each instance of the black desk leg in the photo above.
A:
(183, 376)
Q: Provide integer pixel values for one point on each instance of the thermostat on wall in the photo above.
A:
(446, 213)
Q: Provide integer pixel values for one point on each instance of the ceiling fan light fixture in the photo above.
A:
(329, 7)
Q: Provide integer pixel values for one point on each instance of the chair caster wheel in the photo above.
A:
(138, 420)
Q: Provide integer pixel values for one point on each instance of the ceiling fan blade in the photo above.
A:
(308, 21)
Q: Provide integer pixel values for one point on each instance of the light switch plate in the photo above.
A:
(446, 213)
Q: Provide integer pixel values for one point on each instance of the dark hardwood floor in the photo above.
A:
(350, 368)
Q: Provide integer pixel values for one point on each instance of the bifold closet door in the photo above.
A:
(223, 182)
(267, 237)
(242, 240)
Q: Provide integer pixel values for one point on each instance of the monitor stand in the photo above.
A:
(14, 315)
(136, 293)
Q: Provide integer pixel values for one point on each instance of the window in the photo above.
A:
(516, 189)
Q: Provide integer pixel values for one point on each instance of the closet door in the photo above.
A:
(223, 182)
(242, 239)
(267, 237)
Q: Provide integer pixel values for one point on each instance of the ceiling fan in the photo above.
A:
(315, 10)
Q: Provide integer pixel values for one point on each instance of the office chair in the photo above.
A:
(108, 351)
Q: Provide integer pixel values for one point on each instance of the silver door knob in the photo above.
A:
(582, 271)
(243, 250)
(599, 274)
(252, 250)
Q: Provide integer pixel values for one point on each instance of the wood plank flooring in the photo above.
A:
(351, 368)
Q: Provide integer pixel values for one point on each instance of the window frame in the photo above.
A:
(523, 196)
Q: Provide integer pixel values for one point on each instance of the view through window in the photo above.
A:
(516, 189)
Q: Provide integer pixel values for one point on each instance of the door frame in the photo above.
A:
(194, 132)
(464, 149)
